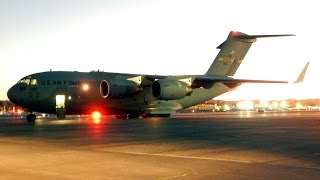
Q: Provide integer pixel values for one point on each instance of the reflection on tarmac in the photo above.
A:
(232, 145)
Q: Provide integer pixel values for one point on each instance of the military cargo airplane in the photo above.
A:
(131, 95)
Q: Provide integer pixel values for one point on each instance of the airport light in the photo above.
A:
(245, 105)
(264, 103)
(275, 105)
(227, 107)
(283, 104)
(299, 105)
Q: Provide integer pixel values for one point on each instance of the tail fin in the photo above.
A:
(232, 51)
(302, 74)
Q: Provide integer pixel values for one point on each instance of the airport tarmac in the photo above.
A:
(220, 145)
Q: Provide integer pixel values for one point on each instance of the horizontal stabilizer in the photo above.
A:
(245, 36)
(250, 38)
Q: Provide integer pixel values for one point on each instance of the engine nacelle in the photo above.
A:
(166, 89)
(118, 88)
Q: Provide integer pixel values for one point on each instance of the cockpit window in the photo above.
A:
(28, 81)
(33, 82)
(25, 81)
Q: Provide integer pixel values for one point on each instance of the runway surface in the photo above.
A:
(232, 145)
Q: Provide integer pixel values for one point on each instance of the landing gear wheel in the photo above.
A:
(164, 115)
(145, 115)
(31, 117)
(127, 116)
(133, 115)
(121, 116)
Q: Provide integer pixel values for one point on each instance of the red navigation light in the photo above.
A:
(96, 115)
(96, 121)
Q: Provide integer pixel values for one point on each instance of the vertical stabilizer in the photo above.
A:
(232, 52)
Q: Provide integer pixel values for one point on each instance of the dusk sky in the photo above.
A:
(173, 37)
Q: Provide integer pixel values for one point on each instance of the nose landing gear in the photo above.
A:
(31, 117)
(61, 113)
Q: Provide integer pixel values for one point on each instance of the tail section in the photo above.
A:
(232, 52)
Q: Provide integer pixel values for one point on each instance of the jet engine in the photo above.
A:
(166, 89)
(118, 88)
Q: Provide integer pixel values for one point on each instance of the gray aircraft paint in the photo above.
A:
(138, 95)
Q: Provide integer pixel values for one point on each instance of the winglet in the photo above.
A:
(302, 74)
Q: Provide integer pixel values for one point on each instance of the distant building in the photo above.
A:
(289, 104)
(9, 107)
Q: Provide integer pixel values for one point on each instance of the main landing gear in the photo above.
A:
(31, 117)
(137, 115)
(127, 116)
(144, 115)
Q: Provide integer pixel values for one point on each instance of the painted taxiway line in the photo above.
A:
(210, 159)
(184, 157)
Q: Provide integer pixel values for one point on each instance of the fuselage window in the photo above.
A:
(34, 82)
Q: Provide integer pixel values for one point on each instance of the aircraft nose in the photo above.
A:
(12, 94)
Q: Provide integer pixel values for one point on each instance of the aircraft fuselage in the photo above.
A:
(131, 95)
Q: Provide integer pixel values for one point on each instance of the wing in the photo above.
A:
(232, 80)
(208, 81)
